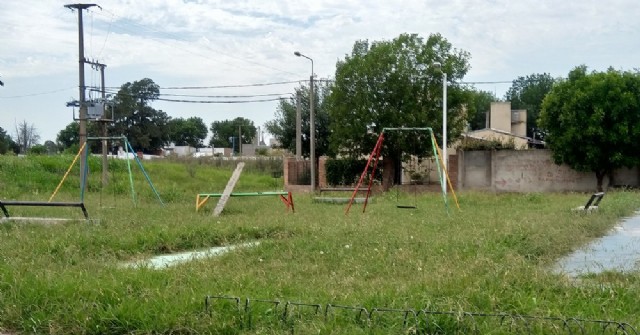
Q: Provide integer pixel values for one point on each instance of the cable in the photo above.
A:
(36, 94)
(225, 96)
(220, 101)
(229, 86)
(178, 38)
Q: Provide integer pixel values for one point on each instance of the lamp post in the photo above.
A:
(312, 125)
(444, 123)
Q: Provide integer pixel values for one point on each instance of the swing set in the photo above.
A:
(372, 164)
(80, 204)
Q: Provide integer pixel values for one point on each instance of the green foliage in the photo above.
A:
(146, 128)
(478, 107)
(37, 149)
(346, 171)
(477, 144)
(191, 131)
(7, 145)
(593, 120)
(392, 84)
(283, 127)
(528, 93)
(493, 256)
(222, 133)
(69, 137)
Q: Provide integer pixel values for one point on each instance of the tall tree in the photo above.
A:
(191, 131)
(69, 138)
(224, 134)
(394, 84)
(283, 127)
(478, 107)
(528, 93)
(145, 127)
(7, 144)
(26, 136)
(593, 121)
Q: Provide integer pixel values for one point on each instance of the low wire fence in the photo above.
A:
(250, 313)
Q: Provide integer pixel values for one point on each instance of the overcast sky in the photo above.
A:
(185, 43)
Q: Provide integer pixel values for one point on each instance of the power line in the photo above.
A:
(219, 101)
(229, 86)
(178, 38)
(225, 96)
(36, 94)
(485, 82)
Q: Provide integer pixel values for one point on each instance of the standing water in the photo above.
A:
(619, 251)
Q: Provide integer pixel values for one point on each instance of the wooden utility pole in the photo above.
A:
(104, 119)
(81, 88)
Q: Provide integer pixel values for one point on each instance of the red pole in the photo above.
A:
(376, 153)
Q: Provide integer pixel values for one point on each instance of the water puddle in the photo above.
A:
(165, 261)
(619, 251)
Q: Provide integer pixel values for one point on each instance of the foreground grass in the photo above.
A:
(493, 256)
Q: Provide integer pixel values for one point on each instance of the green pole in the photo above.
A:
(440, 172)
(147, 177)
(127, 146)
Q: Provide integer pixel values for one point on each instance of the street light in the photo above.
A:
(312, 125)
(444, 123)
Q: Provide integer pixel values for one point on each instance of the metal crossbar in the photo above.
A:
(416, 321)
(4, 203)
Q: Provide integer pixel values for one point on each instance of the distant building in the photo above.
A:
(505, 125)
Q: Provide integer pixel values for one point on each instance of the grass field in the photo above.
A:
(493, 256)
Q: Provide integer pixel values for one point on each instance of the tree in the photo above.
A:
(283, 127)
(26, 136)
(593, 121)
(7, 144)
(69, 137)
(146, 128)
(393, 84)
(224, 134)
(191, 131)
(478, 107)
(528, 93)
(51, 147)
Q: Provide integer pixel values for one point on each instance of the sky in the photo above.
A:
(248, 43)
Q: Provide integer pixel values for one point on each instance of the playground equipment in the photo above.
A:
(337, 200)
(79, 204)
(127, 147)
(202, 198)
(50, 203)
(375, 156)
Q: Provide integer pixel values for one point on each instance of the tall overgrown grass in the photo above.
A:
(495, 255)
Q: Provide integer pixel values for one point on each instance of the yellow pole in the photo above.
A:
(446, 173)
(67, 173)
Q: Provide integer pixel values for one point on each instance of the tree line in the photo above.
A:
(590, 120)
(149, 129)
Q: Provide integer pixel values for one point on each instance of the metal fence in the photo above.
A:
(249, 313)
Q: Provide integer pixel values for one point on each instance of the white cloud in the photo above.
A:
(193, 43)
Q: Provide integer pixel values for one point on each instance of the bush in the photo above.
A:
(475, 144)
(346, 171)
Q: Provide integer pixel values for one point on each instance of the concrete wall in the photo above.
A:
(528, 171)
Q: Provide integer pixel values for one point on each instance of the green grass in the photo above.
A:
(493, 256)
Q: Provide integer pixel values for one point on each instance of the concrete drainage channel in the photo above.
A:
(619, 251)
(164, 261)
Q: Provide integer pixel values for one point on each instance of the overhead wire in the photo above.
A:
(178, 38)
(219, 101)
